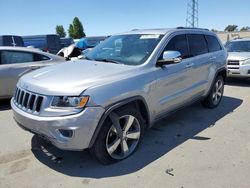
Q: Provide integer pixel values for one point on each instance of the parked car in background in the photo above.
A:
(11, 40)
(70, 53)
(124, 85)
(89, 42)
(238, 64)
(65, 42)
(47, 43)
(17, 61)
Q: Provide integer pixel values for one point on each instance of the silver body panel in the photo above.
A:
(164, 89)
(10, 73)
(235, 65)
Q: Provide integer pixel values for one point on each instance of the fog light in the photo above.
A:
(66, 133)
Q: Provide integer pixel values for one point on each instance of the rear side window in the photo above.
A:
(39, 57)
(213, 43)
(197, 44)
(178, 43)
(12, 57)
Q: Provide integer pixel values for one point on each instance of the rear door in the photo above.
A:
(200, 63)
(15, 64)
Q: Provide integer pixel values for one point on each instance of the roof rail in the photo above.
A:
(192, 28)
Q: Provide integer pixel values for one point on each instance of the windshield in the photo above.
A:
(238, 46)
(126, 49)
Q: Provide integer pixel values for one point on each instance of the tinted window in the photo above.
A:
(238, 46)
(213, 44)
(36, 42)
(197, 44)
(178, 43)
(53, 42)
(65, 42)
(12, 41)
(11, 57)
(39, 57)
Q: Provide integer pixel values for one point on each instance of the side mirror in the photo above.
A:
(169, 57)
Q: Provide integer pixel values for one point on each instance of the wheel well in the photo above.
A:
(140, 106)
(223, 73)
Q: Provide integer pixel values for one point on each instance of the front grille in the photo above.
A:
(28, 101)
(233, 64)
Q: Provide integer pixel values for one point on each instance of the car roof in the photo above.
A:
(32, 50)
(162, 31)
(19, 48)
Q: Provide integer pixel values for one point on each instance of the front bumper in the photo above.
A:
(83, 126)
(242, 71)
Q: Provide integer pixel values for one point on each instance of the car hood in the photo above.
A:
(239, 56)
(73, 77)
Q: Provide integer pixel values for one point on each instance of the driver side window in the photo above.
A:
(178, 43)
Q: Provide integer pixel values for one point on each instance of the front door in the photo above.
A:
(173, 81)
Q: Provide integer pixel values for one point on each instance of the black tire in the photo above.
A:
(100, 147)
(210, 101)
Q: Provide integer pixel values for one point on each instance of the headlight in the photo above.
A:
(246, 62)
(70, 102)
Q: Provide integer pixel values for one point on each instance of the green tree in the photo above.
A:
(245, 28)
(71, 31)
(76, 30)
(214, 30)
(60, 31)
(231, 28)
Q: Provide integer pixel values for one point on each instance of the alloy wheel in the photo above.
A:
(218, 92)
(123, 136)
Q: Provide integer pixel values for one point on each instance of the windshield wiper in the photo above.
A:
(108, 60)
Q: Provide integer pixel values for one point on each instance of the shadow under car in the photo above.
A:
(5, 104)
(158, 141)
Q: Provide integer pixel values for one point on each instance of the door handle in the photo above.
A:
(189, 65)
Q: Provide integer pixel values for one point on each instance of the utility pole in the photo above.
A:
(192, 19)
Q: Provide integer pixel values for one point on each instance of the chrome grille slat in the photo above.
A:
(15, 93)
(28, 101)
(233, 64)
(24, 94)
(19, 96)
(35, 103)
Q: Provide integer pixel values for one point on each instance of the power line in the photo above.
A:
(192, 19)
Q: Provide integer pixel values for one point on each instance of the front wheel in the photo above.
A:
(215, 95)
(119, 136)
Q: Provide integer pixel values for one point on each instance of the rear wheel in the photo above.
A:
(215, 95)
(119, 136)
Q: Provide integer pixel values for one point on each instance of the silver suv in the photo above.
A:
(238, 64)
(123, 87)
